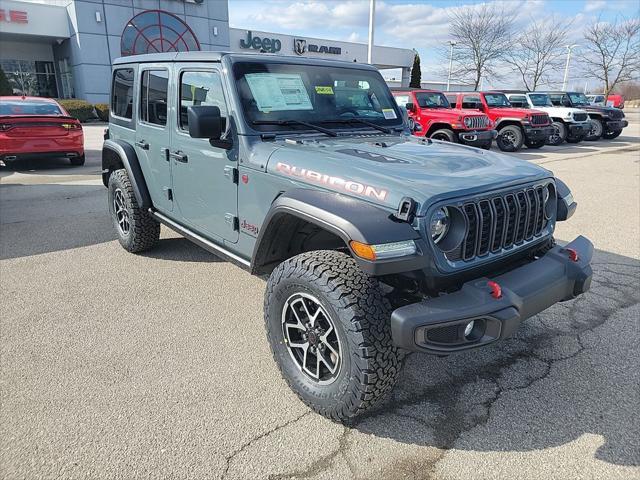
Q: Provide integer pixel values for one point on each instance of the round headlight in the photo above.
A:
(439, 224)
(545, 195)
(467, 122)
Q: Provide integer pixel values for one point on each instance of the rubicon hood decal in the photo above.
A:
(337, 183)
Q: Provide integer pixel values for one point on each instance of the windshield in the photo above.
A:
(519, 101)
(280, 92)
(540, 100)
(432, 100)
(496, 100)
(578, 99)
(28, 107)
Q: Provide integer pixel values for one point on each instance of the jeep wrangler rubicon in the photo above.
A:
(374, 242)
(570, 125)
(516, 126)
(606, 122)
(433, 117)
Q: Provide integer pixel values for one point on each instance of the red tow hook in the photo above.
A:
(573, 255)
(496, 290)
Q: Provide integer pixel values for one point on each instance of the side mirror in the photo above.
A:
(205, 122)
(410, 106)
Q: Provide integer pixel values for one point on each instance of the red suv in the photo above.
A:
(37, 127)
(515, 126)
(432, 117)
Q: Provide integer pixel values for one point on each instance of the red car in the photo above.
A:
(433, 117)
(515, 126)
(616, 100)
(37, 127)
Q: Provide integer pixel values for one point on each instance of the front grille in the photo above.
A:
(580, 117)
(539, 119)
(478, 121)
(500, 222)
(616, 114)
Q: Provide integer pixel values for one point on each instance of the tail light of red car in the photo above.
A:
(71, 126)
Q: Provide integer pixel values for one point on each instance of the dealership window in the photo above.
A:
(31, 77)
(153, 97)
(200, 88)
(122, 93)
(157, 31)
(66, 78)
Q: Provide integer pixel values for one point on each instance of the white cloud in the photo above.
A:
(594, 5)
(354, 37)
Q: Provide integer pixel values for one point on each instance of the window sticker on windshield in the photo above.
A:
(278, 91)
(324, 90)
(389, 113)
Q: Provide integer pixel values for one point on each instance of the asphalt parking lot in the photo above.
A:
(115, 365)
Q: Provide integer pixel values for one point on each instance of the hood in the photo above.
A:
(608, 111)
(560, 111)
(513, 112)
(452, 112)
(385, 169)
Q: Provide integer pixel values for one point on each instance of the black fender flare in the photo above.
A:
(510, 120)
(349, 219)
(125, 157)
(566, 204)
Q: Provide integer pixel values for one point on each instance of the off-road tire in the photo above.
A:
(599, 127)
(144, 231)
(562, 134)
(536, 145)
(369, 362)
(77, 161)
(611, 135)
(444, 134)
(510, 146)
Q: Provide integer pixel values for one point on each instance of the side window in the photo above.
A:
(200, 88)
(452, 100)
(402, 100)
(519, 101)
(471, 102)
(122, 93)
(556, 99)
(153, 97)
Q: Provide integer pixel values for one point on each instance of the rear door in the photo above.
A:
(204, 177)
(152, 133)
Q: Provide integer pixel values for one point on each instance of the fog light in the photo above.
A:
(469, 328)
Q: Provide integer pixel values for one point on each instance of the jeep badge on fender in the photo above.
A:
(374, 242)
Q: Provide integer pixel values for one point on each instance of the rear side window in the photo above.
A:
(519, 101)
(200, 88)
(153, 97)
(452, 100)
(122, 93)
(402, 100)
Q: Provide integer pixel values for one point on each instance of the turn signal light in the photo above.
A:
(363, 250)
(70, 126)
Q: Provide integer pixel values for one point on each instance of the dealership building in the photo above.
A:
(64, 48)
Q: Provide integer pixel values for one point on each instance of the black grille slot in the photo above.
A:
(499, 222)
(539, 119)
(616, 114)
(580, 117)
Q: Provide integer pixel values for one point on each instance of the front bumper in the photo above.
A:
(437, 325)
(476, 137)
(535, 134)
(615, 125)
(578, 130)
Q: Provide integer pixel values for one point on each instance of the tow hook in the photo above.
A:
(496, 289)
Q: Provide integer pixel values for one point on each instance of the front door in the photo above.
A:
(204, 177)
(152, 135)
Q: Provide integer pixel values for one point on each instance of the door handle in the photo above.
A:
(179, 157)
(143, 145)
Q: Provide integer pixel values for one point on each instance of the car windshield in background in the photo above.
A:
(432, 100)
(496, 100)
(28, 107)
(540, 100)
(519, 101)
(273, 94)
(578, 99)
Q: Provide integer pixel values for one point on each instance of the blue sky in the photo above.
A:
(419, 24)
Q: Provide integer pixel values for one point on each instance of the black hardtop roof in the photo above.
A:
(414, 89)
(216, 56)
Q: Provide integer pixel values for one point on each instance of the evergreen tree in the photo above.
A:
(416, 74)
(5, 86)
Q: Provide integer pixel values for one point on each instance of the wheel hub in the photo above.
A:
(121, 213)
(311, 338)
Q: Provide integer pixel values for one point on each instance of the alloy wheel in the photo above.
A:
(311, 338)
(121, 212)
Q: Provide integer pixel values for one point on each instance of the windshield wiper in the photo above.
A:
(359, 120)
(326, 131)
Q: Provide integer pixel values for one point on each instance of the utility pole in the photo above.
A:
(452, 43)
(566, 67)
(372, 24)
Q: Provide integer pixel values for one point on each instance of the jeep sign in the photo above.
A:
(270, 45)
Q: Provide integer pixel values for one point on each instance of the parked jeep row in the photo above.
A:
(514, 118)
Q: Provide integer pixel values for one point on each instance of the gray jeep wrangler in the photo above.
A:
(375, 243)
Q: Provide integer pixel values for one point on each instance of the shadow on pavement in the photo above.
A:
(54, 166)
(542, 388)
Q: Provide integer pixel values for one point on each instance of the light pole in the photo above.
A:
(372, 24)
(566, 67)
(452, 43)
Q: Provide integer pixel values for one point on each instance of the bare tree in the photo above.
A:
(611, 53)
(536, 53)
(481, 35)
